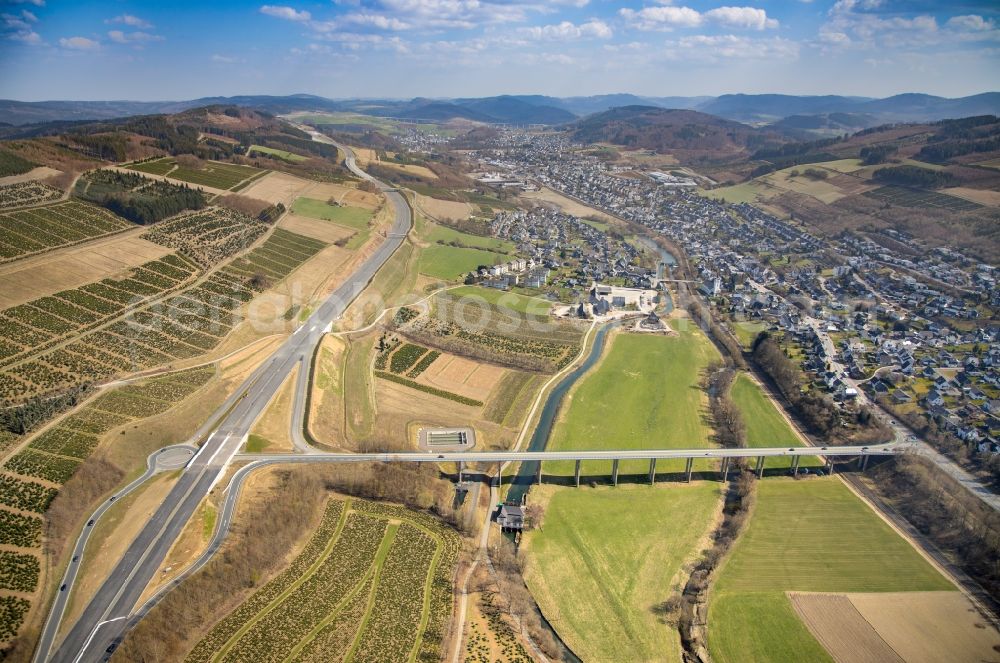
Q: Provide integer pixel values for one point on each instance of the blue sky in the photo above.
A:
(50, 49)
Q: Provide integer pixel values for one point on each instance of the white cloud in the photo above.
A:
(226, 59)
(668, 18)
(20, 27)
(741, 17)
(131, 21)
(37, 3)
(566, 31)
(970, 23)
(711, 48)
(79, 43)
(137, 37)
(377, 21)
(29, 37)
(286, 13)
(662, 18)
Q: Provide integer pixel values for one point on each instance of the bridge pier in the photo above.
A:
(725, 469)
(795, 465)
(687, 470)
(652, 470)
(760, 467)
(829, 464)
(864, 462)
(538, 473)
(614, 471)
(461, 466)
(576, 474)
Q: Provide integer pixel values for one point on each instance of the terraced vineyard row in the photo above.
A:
(54, 455)
(39, 229)
(210, 235)
(22, 194)
(380, 592)
(188, 324)
(25, 327)
(215, 174)
(277, 257)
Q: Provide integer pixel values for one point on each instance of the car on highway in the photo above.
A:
(441, 456)
(76, 558)
(90, 523)
(62, 588)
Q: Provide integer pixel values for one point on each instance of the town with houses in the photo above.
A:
(870, 324)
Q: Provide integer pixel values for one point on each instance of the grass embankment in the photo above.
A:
(765, 425)
(812, 535)
(644, 394)
(607, 556)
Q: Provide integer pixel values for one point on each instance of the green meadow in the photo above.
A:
(605, 557)
(810, 535)
(644, 393)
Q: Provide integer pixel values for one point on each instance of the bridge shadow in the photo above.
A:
(525, 481)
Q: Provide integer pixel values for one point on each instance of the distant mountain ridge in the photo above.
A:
(541, 109)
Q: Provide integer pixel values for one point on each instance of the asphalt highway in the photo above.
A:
(104, 619)
(168, 458)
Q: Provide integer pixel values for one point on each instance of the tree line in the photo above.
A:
(923, 178)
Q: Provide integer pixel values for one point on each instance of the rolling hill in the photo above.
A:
(689, 135)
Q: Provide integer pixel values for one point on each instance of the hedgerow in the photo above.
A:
(441, 393)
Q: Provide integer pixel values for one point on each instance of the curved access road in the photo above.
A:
(104, 619)
(169, 458)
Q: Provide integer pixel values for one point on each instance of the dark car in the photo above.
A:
(90, 523)
(63, 588)
(113, 498)
(76, 558)
(440, 456)
(113, 646)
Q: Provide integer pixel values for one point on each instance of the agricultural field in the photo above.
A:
(31, 478)
(373, 583)
(208, 236)
(643, 394)
(533, 306)
(903, 197)
(450, 263)
(214, 174)
(357, 218)
(449, 236)
(605, 557)
(462, 376)
(278, 257)
(281, 154)
(39, 229)
(765, 425)
(54, 455)
(811, 535)
(28, 327)
(477, 329)
(22, 194)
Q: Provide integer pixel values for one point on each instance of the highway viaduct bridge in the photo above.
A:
(727, 456)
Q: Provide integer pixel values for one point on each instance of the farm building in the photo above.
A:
(511, 517)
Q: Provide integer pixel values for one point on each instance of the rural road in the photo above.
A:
(105, 618)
